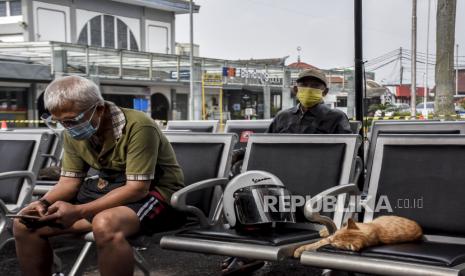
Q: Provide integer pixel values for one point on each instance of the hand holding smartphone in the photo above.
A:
(28, 217)
(33, 222)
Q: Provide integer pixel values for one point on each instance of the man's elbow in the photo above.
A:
(140, 191)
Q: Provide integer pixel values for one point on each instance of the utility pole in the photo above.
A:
(413, 85)
(358, 78)
(425, 91)
(191, 61)
(457, 70)
(445, 42)
(358, 83)
(401, 73)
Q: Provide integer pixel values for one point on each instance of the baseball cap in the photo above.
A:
(314, 73)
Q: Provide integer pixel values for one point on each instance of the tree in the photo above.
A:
(445, 41)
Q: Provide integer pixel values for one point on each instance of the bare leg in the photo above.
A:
(111, 227)
(33, 249)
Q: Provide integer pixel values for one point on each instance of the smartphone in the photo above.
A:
(33, 222)
(28, 217)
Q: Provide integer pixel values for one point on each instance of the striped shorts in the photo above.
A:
(148, 207)
(155, 215)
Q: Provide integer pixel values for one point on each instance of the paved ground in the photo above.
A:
(162, 262)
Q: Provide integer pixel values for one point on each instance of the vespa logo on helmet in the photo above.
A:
(256, 180)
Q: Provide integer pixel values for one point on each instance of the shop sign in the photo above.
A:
(213, 79)
(263, 77)
(183, 74)
(141, 104)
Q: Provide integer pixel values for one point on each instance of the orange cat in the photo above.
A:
(356, 236)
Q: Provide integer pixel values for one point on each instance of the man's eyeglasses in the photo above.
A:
(68, 123)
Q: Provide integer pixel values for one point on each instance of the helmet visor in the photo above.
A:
(261, 204)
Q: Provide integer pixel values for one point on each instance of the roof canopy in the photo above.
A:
(176, 6)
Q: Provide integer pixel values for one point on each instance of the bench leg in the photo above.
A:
(57, 264)
(141, 263)
(77, 267)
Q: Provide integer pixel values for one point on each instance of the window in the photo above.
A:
(108, 31)
(122, 35)
(2, 8)
(10, 8)
(15, 7)
(109, 27)
(83, 37)
(96, 31)
(133, 43)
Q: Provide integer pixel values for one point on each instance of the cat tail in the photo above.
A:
(310, 247)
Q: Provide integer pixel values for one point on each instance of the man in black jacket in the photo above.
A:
(311, 115)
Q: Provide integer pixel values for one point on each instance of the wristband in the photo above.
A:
(45, 202)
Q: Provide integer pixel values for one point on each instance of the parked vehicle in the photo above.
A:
(430, 109)
(425, 111)
(392, 109)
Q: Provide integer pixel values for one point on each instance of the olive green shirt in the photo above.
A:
(137, 148)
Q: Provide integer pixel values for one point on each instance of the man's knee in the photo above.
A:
(106, 230)
(20, 231)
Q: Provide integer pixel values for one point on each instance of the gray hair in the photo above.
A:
(83, 93)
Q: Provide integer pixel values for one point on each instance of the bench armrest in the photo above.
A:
(30, 186)
(178, 199)
(51, 157)
(359, 169)
(312, 215)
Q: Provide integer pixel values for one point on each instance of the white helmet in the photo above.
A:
(248, 196)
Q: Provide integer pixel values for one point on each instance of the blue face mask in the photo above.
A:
(83, 131)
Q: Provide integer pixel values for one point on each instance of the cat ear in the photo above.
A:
(351, 224)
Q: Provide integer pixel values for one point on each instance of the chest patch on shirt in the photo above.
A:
(102, 183)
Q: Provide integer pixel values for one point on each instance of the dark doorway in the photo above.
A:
(160, 106)
(181, 105)
(126, 101)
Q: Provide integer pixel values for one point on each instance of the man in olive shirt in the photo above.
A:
(137, 170)
(311, 115)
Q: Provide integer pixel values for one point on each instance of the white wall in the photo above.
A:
(158, 37)
(11, 19)
(12, 38)
(51, 22)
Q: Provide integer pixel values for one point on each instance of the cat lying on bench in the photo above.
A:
(356, 236)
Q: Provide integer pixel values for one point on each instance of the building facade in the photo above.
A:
(128, 47)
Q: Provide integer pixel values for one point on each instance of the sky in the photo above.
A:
(243, 29)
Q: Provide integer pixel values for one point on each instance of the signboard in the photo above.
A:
(263, 77)
(141, 104)
(229, 72)
(254, 74)
(212, 79)
(183, 74)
